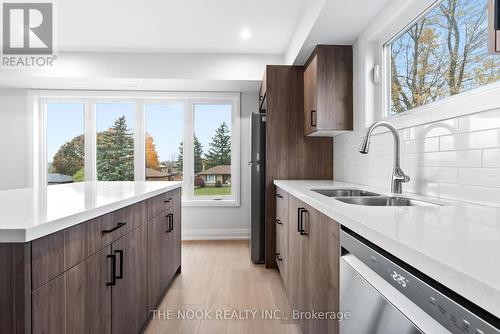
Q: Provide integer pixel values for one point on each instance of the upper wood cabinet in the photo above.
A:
(328, 94)
(494, 26)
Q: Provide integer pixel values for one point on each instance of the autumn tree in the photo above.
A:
(442, 54)
(152, 160)
(115, 153)
(70, 157)
(219, 152)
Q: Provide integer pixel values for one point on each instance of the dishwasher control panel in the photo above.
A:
(421, 290)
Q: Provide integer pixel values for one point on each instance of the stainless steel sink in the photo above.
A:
(385, 201)
(344, 192)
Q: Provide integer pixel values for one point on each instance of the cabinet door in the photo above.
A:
(323, 251)
(129, 295)
(297, 259)
(48, 311)
(88, 295)
(176, 233)
(310, 96)
(159, 258)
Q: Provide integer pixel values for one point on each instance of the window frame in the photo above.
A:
(37, 158)
(370, 50)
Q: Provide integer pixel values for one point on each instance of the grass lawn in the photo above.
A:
(211, 191)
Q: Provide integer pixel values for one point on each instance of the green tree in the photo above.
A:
(79, 175)
(69, 159)
(198, 156)
(219, 152)
(115, 153)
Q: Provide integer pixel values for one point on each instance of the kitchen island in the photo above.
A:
(92, 257)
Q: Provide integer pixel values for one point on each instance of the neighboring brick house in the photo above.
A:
(220, 173)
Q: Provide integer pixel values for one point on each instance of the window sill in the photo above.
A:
(470, 102)
(210, 203)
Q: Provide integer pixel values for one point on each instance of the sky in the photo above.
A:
(163, 121)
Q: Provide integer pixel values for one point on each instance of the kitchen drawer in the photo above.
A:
(160, 204)
(136, 215)
(111, 227)
(47, 259)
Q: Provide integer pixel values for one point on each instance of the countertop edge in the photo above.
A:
(8, 235)
(454, 279)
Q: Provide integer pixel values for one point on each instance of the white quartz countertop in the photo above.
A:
(30, 213)
(456, 244)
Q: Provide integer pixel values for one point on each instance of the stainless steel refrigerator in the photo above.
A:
(258, 180)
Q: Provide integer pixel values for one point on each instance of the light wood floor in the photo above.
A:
(218, 275)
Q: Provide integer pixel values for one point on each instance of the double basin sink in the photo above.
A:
(367, 198)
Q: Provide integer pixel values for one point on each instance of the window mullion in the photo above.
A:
(90, 141)
(139, 142)
(188, 151)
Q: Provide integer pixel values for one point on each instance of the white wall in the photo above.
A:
(227, 222)
(13, 138)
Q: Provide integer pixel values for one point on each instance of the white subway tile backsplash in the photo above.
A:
(437, 175)
(486, 177)
(436, 129)
(473, 194)
(452, 159)
(480, 121)
(471, 140)
(420, 145)
(491, 158)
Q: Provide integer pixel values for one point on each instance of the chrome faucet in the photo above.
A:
(398, 176)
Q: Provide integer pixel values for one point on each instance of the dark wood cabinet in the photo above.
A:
(48, 307)
(282, 234)
(328, 91)
(176, 233)
(159, 260)
(494, 27)
(93, 277)
(88, 296)
(164, 254)
(297, 261)
(288, 152)
(129, 294)
(323, 254)
(313, 265)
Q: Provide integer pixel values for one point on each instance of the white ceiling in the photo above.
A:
(340, 22)
(177, 25)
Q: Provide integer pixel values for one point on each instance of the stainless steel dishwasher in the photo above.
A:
(379, 294)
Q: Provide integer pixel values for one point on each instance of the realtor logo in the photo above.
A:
(27, 34)
(27, 28)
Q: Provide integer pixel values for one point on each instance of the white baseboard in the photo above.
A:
(216, 234)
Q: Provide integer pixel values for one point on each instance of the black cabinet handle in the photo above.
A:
(113, 270)
(120, 275)
(278, 257)
(313, 118)
(170, 222)
(302, 230)
(167, 200)
(279, 195)
(299, 218)
(279, 222)
(121, 224)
